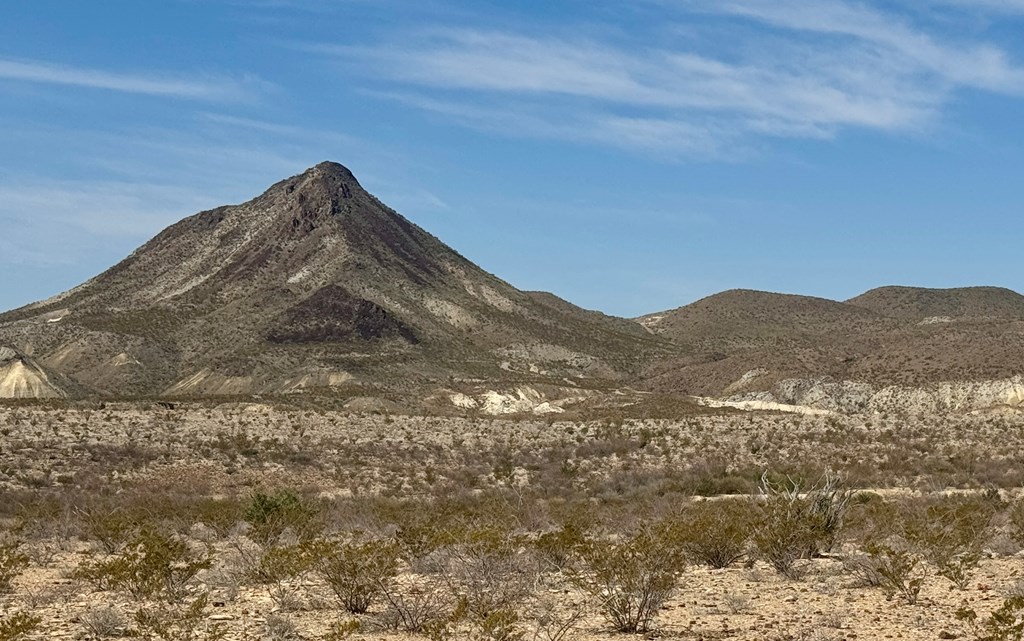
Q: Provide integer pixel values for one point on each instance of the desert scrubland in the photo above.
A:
(244, 521)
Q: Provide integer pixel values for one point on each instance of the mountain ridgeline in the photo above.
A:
(315, 285)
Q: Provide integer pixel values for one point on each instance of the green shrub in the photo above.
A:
(278, 566)
(502, 624)
(490, 571)
(1016, 518)
(630, 579)
(281, 563)
(17, 626)
(150, 566)
(111, 527)
(170, 623)
(426, 608)
(220, 515)
(712, 533)
(12, 563)
(951, 533)
(269, 515)
(340, 630)
(1004, 624)
(102, 623)
(896, 570)
(559, 548)
(354, 571)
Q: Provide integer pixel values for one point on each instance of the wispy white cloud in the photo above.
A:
(107, 208)
(999, 6)
(973, 65)
(811, 69)
(126, 184)
(665, 137)
(194, 88)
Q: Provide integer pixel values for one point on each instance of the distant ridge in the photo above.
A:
(750, 340)
(963, 302)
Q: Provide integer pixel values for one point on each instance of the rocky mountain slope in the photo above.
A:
(317, 285)
(890, 347)
(920, 304)
(314, 283)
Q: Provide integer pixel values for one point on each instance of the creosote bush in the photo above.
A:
(426, 607)
(278, 567)
(12, 562)
(950, 533)
(558, 549)
(894, 568)
(630, 579)
(555, 620)
(17, 626)
(109, 525)
(270, 515)
(1004, 624)
(103, 623)
(355, 571)
(176, 623)
(1016, 519)
(151, 565)
(491, 570)
(342, 630)
(712, 533)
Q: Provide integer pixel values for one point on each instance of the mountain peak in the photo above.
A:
(313, 283)
(329, 168)
(325, 178)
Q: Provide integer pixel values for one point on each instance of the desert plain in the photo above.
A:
(273, 521)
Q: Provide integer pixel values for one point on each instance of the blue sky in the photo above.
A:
(628, 156)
